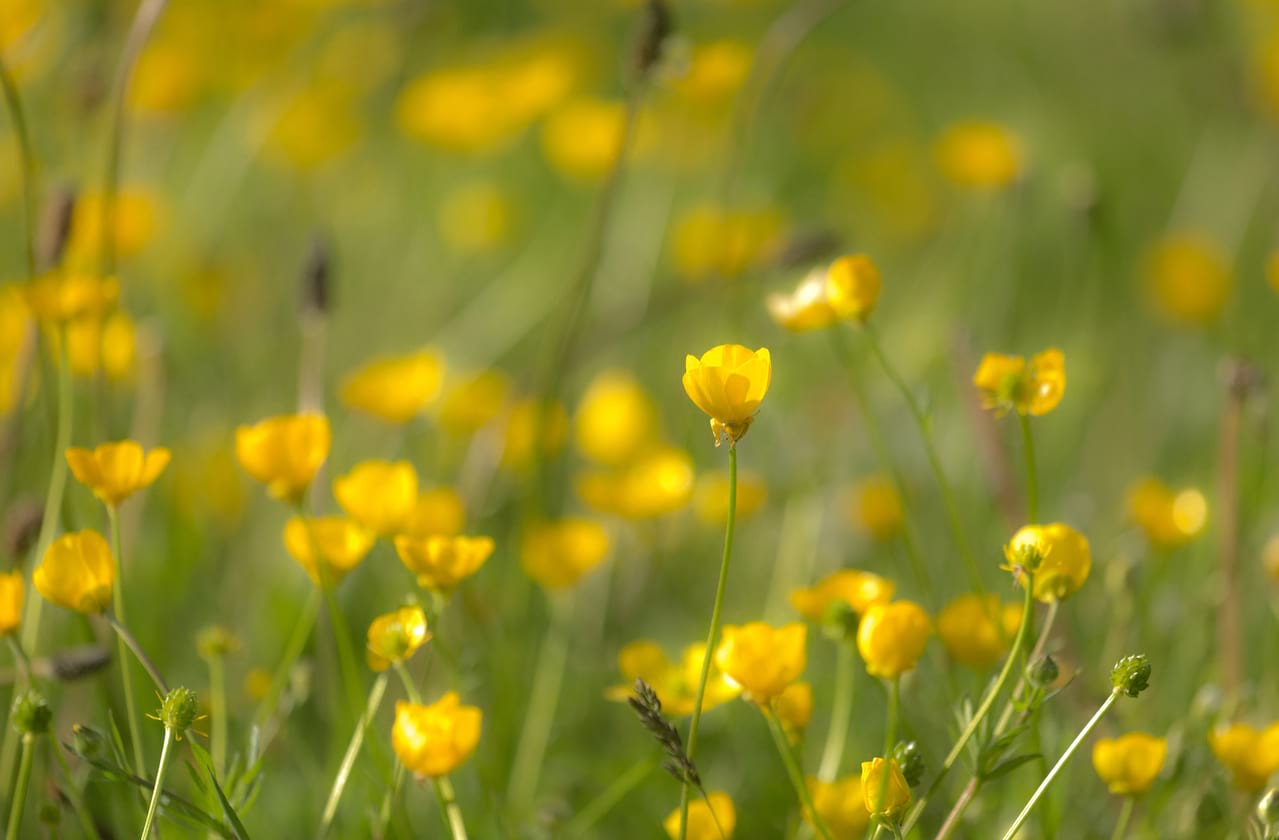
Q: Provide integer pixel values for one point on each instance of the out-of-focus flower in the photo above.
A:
(434, 740)
(284, 452)
(852, 287)
(58, 297)
(807, 308)
(1188, 277)
(1270, 558)
(701, 823)
(167, 78)
(967, 627)
(1272, 267)
(657, 483)
(709, 241)
(979, 155)
(437, 512)
(473, 403)
(557, 554)
(463, 109)
(528, 422)
(12, 590)
(257, 683)
(859, 590)
(77, 573)
(890, 185)
(1169, 519)
(728, 383)
(441, 562)
(841, 806)
(794, 708)
(582, 138)
(1009, 383)
(115, 471)
(884, 790)
(313, 127)
(674, 682)
(15, 320)
(615, 420)
(716, 71)
(763, 659)
(891, 637)
(1129, 764)
(396, 636)
(394, 389)
(877, 508)
(1251, 756)
(101, 344)
(1062, 555)
(137, 211)
(380, 495)
(711, 496)
(340, 543)
(476, 218)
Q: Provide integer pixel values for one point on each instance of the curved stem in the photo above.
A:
(219, 723)
(1061, 762)
(410, 688)
(352, 751)
(20, 793)
(26, 161)
(1049, 619)
(952, 819)
(1125, 817)
(350, 670)
(548, 679)
(841, 712)
(597, 808)
(1032, 477)
(117, 596)
(712, 635)
(794, 772)
(138, 652)
(448, 803)
(159, 784)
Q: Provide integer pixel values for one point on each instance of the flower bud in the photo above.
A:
(215, 642)
(31, 714)
(884, 788)
(911, 761)
(1268, 809)
(839, 621)
(178, 710)
(1131, 675)
(1043, 672)
(86, 740)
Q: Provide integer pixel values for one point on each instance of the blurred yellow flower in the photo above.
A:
(1251, 756)
(852, 287)
(442, 562)
(841, 806)
(711, 496)
(284, 452)
(437, 512)
(461, 109)
(708, 241)
(967, 628)
(583, 137)
(77, 573)
(657, 483)
(1010, 383)
(979, 155)
(57, 296)
(476, 218)
(674, 682)
(1270, 558)
(806, 308)
(701, 823)
(257, 683)
(433, 740)
(167, 78)
(859, 590)
(1129, 764)
(884, 789)
(115, 471)
(396, 636)
(137, 212)
(794, 708)
(557, 554)
(728, 383)
(473, 403)
(891, 637)
(313, 127)
(877, 508)
(763, 659)
(1188, 277)
(1169, 519)
(12, 589)
(342, 544)
(1063, 554)
(1272, 270)
(615, 420)
(527, 422)
(380, 495)
(716, 71)
(394, 389)
(108, 345)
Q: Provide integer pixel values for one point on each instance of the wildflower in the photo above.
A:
(1169, 519)
(473, 403)
(884, 789)
(616, 419)
(716, 71)
(763, 659)
(460, 109)
(313, 127)
(1129, 764)
(105, 344)
(859, 590)
(710, 241)
(975, 631)
(1010, 383)
(439, 511)
(339, 542)
(396, 636)
(115, 471)
(442, 562)
(12, 590)
(380, 495)
(1057, 555)
(794, 708)
(841, 806)
(877, 508)
(674, 682)
(557, 554)
(582, 138)
(701, 824)
(852, 287)
(476, 218)
(1272, 270)
(528, 423)
(77, 573)
(728, 383)
(135, 217)
(58, 297)
(805, 309)
(658, 483)
(979, 155)
(178, 711)
(1188, 277)
(892, 637)
(711, 496)
(1251, 756)
(433, 740)
(394, 389)
(284, 452)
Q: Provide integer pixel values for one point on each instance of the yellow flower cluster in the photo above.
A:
(857, 589)
(1168, 518)
(674, 682)
(557, 554)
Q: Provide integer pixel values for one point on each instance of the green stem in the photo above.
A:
(712, 635)
(352, 751)
(117, 596)
(597, 808)
(26, 161)
(544, 695)
(1032, 477)
(350, 670)
(159, 784)
(890, 741)
(1125, 817)
(409, 688)
(388, 801)
(794, 772)
(841, 712)
(292, 650)
(72, 791)
(934, 460)
(20, 659)
(1049, 619)
(1061, 762)
(20, 793)
(138, 652)
(220, 723)
(448, 804)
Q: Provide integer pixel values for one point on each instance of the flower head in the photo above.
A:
(674, 682)
(857, 589)
(396, 636)
(728, 383)
(655, 484)
(12, 592)
(763, 659)
(340, 544)
(394, 389)
(178, 711)
(77, 573)
(841, 806)
(616, 419)
(472, 404)
(433, 740)
(380, 495)
(439, 511)
(284, 452)
(1251, 755)
(1011, 383)
(58, 297)
(1129, 764)
(977, 631)
(1188, 277)
(557, 554)
(582, 138)
(806, 308)
(979, 155)
(892, 637)
(701, 823)
(877, 508)
(1057, 555)
(442, 562)
(115, 471)
(884, 789)
(852, 287)
(1168, 518)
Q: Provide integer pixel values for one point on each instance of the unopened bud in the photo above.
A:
(178, 710)
(1043, 672)
(86, 740)
(317, 278)
(839, 621)
(215, 642)
(31, 714)
(911, 761)
(658, 26)
(1131, 675)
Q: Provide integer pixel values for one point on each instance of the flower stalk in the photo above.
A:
(548, 680)
(352, 751)
(794, 772)
(20, 792)
(1032, 476)
(841, 711)
(117, 594)
(159, 784)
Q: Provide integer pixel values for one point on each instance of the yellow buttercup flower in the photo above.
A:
(435, 739)
(716, 71)
(582, 138)
(859, 590)
(394, 389)
(396, 636)
(891, 638)
(439, 511)
(1168, 518)
(1063, 555)
(877, 508)
(658, 483)
(710, 241)
(473, 403)
(77, 573)
(1129, 764)
(1251, 755)
(710, 499)
(380, 495)
(284, 452)
(58, 297)
(528, 423)
(476, 218)
(12, 590)
(884, 789)
(701, 823)
(841, 806)
(674, 682)
(1188, 277)
(557, 554)
(805, 309)
(341, 545)
(968, 629)
(852, 287)
(1010, 383)
(460, 109)
(728, 383)
(616, 419)
(763, 659)
(115, 471)
(109, 345)
(794, 708)
(442, 562)
(979, 155)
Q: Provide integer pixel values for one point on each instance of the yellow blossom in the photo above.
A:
(396, 636)
(891, 637)
(1129, 764)
(557, 554)
(805, 309)
(674, 682)
(794, 708)
(710, 241)
(77, 573)
(1272, 270)
(105, 344)
(1188, 277)
(527, 422)
(434, 740)
(394, 389)
(877, 508)
(841, 806)
(615, 420)
(476, 218)
(57, 297)
(716, 71)
(728, 383)
(657, 483)
(701, 824)
(1063, 555)
(968, 629)
(167, 78)
(473, 403)
(442, 562)
(885, 793)
(852, 287)
(437, 512)
(284, 452)
(257, 683)
(136, 215)
(380, 495)
(582, 138)
(763, 659)
(711, 496)
(1010, 383)
(1251, 756)
(979, 155)
(1168, 518)
(115, 471)
(460, 109)
(859, 590)
(341, 545)
(312, 127)
(12, 589)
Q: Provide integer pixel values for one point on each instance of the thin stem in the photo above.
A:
(20, 793)
(159, 784)
(1061, 762)
(548, 679)
(72, 792)
(352, 751)
(448, 803)
(712, 635)
(890, 741)
(1032, 476)
(26, 161)
(597, 808)
(20, 659)
(346, 652)
(410, 688)
(138, 652)
(220, 723)
(794, 772)
(117, 596)
(292, 650)
(388, 801)
(961, 805)
(1050, 618)
(1125, 817)
(841, 712)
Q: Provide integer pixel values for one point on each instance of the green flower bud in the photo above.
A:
(1131, 675)
(839, 621)
(178, 710)
(1043, 672)
(910, 760)
(31, 714)
(1268, 809)
(215, 641)
(86, 740)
